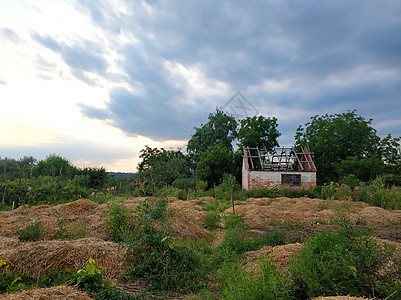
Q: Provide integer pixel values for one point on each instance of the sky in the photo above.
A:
(96, 81)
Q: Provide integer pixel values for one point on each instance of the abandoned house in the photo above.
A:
(280, 166)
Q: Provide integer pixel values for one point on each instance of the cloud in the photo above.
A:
(178, 60)
(83, 58)
(10, 35)
(44, 77)
(3, 82)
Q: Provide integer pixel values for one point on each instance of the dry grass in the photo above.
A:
(339, 298)
(185, 229)
(39, 258)
(54, 293)
(280, 256)
(190, 209)
(187, 218)
(304, 211)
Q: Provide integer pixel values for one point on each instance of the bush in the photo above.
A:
(238, 240)
(341, 263)
(262, 193)
(154, 254)
(184, 183)
(212, 219)
(90, 278)
(238, 284)
(117, 219)
(34, 231)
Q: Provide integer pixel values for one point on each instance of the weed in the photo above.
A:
(63, 232)
(210, 205)
(154, 254)
(238, 240)
(117, 218)
(236, 283)
(80, 230)
(212, 220)
(344, 262)
(90, 278)
(34, 231)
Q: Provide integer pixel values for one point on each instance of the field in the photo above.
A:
(153, 248)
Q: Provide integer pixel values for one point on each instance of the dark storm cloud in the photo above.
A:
(82, 57)
(128, 111)
(94, 113)
(332, 55)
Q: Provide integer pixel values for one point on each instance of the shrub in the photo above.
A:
(90, 278)
(180, 194)
(212, 219)
(117, 218)
(154, 254)
(351, 180)
(238, 240)
(184, 183)
(238, 284)
(341, 263)
(34, 231)
(261, 193)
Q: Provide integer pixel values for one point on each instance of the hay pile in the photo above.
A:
(377, 216)
(189, 209)
(82, 210)
(185, 229)
(339, 298)
(304, 211)
(280, 256)
(265, 211)
(39, 258)
(8, 243)
(187, 219)
(54, 293)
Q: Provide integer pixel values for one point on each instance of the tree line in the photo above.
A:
(29, 181)
(345, 148)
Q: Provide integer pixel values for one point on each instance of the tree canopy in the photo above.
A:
(211, 146)
(220, 129)
(340, 143)
(160, 167)
(258, 132)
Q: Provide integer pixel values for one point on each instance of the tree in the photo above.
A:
(364, 168)
(160, 167)
(53, 164)
(333, 138)
(214, 163)
(258, 132)
(220, 129)
(390, 149)
(96, 176)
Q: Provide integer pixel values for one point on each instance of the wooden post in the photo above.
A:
(232, 197)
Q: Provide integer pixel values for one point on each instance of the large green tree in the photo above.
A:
(220, 129)
(55, 164)
(211, 147)
(214, 163)
(160, 167)
(339, 141)
(258, 132)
